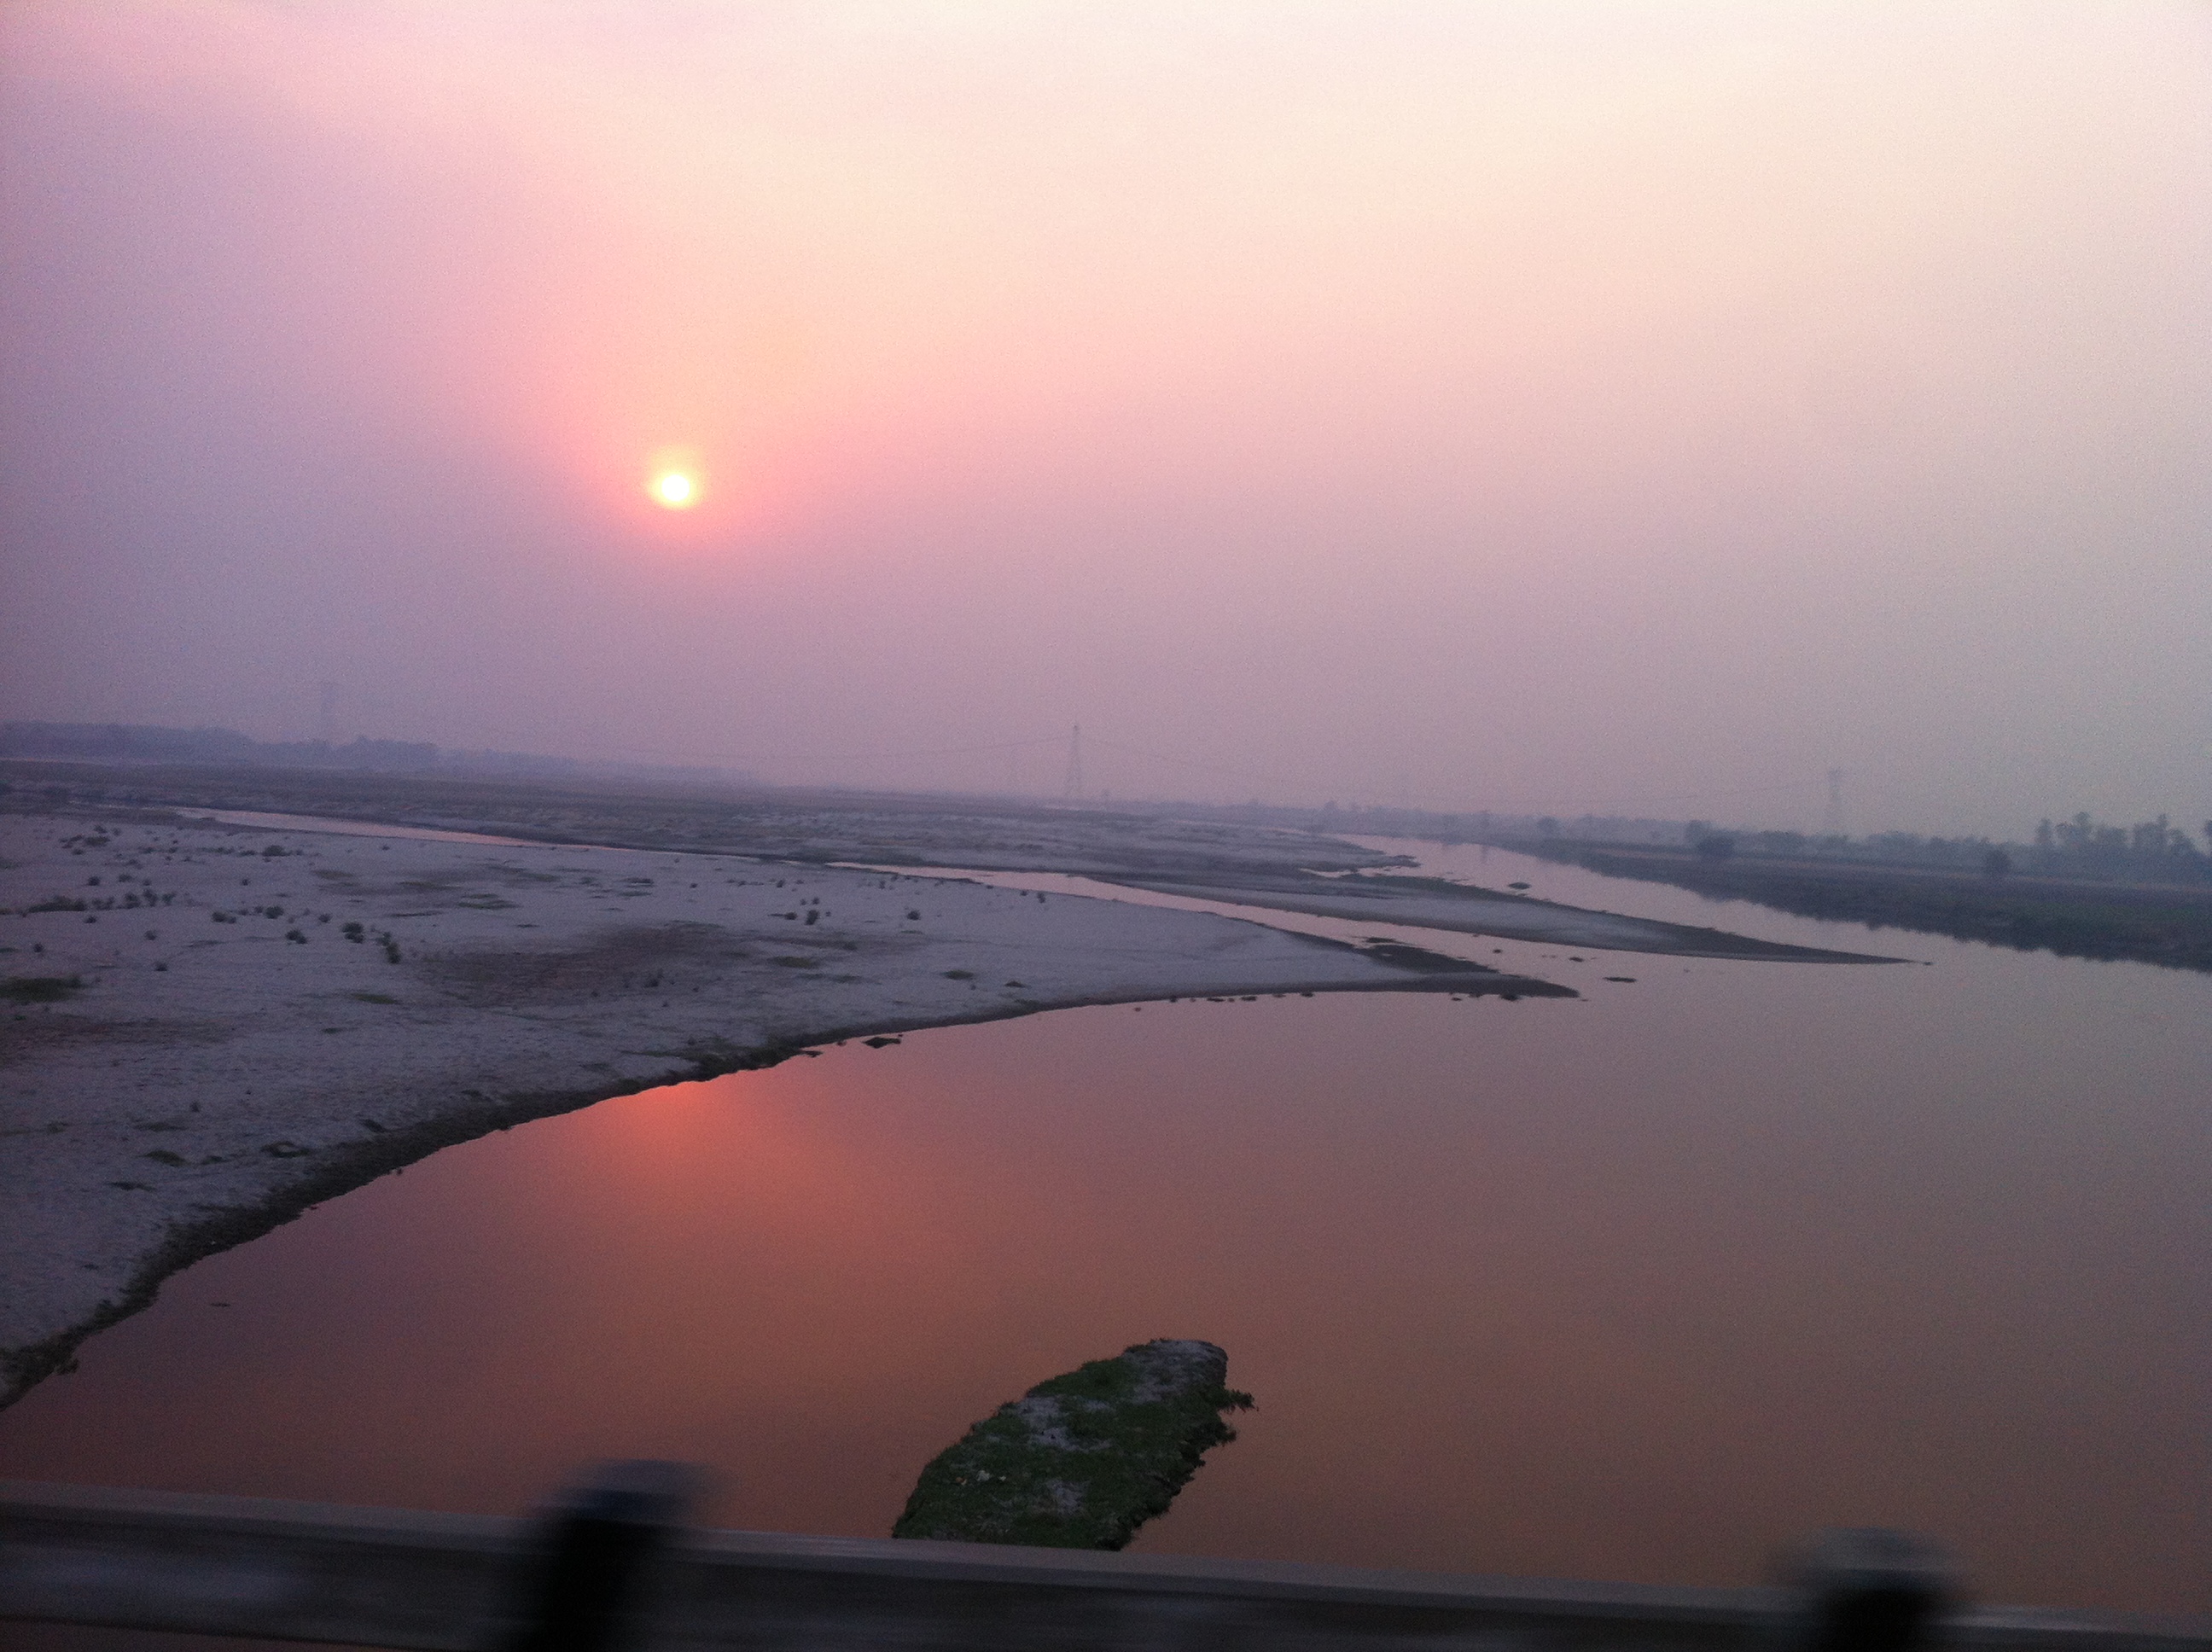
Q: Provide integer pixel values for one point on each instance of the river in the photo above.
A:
(1639, 1286)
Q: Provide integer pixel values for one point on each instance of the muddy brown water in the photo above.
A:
(1639, 1286)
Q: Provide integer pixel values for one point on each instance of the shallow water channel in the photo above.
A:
(1639, 1286)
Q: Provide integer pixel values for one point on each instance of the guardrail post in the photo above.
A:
(582, 1586)
(1869, 1589)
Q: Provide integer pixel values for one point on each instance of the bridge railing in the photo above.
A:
(609, 1569)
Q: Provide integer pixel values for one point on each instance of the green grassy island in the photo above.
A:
(1082, 1461)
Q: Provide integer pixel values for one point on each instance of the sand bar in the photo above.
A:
(1432, 903)
(232, 1055)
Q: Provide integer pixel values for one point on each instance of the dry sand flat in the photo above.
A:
(232, 1056)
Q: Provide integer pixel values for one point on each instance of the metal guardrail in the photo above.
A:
(609, 1568)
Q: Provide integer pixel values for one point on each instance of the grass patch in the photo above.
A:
(1083, 1460)
(373, 998)
(39, 989)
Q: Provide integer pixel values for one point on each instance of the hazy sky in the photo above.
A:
(1546, 404)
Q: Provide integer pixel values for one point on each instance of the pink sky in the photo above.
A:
(1540, 404)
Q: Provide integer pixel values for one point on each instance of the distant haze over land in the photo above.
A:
(1569, 408)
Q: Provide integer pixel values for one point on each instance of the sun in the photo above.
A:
(675, 490)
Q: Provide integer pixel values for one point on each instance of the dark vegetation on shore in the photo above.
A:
(1081, 1460)
(2083, 848)
(141, 743)
(2078, 918)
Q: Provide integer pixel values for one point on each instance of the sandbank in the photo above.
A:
(1434, 904)
(231, 1056)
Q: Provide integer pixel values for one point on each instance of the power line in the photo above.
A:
(1075, 786)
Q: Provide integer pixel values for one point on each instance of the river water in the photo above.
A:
(1639, 1286)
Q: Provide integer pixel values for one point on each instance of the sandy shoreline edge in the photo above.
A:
(234, 1057)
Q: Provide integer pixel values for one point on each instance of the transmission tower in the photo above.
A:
(1075, 762)
(1832, 824)
(329, 720)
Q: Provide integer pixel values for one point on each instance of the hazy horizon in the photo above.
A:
(1547, 407)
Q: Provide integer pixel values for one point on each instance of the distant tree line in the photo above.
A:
(2154, 849)
(142, 743)
(2150, 851)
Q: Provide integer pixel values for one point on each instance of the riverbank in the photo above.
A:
(1612, 1250)
(2170, 925)
(210, 1027)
